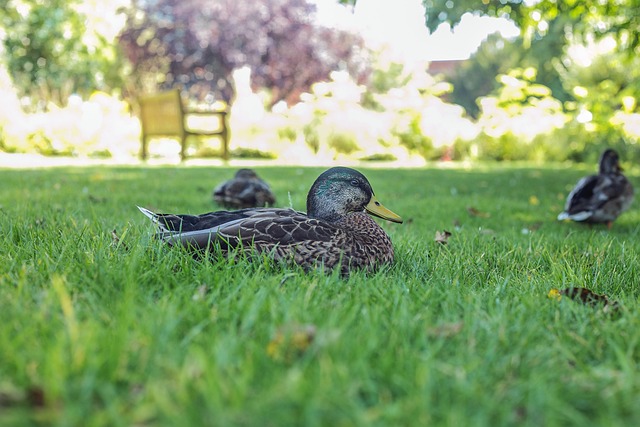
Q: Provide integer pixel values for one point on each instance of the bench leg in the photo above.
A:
(225, 144)
(183, 147)
(225, 137)
(143, 149)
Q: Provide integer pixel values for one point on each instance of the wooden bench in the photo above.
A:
(165, 115)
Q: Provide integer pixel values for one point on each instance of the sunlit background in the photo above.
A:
(324, 81)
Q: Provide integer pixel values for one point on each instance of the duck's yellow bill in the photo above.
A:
(375, 208)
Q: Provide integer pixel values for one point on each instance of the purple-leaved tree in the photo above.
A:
(197, 44)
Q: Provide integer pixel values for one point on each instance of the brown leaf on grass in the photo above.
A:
(32, 396)
(446, 330)
(531, 228)
(200, 293)
(291, 341)
(475, 212)
(96, 199)
(36, 397)
(115, 240)
(535, 226)
(442, 237)
(586, 297)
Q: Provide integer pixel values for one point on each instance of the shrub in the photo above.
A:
(413, 139)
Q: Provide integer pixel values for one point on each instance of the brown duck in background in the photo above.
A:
(600, 198)
(244, 190)
(335, 231)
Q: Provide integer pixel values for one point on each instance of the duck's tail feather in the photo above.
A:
(154, 218)
(578, 216)
(194, 238)
(197, 239)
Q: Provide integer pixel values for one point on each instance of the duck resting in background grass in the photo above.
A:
(244, 190)
(335, 231)
(600, 198)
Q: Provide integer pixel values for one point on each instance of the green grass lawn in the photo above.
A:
(94, 333)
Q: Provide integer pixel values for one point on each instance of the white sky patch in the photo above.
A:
(399, 25)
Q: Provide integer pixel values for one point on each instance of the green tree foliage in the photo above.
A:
(198, 43)
(604, 84)
(605, 88)
(476, 77)
(549, 27)
(600, 89)
(497, 55)
(578, 18)
(51, 53)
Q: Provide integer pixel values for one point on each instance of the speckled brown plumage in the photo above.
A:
(244, 190)
(336, 231)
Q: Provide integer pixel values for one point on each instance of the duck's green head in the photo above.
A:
(609, 162)
(340, 191)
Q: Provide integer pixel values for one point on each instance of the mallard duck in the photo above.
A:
(600, 198)
(244, 190)
(334, 232)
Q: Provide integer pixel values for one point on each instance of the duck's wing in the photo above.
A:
(262, 227)
(227, 192)
(263, 194)
(220, 189)
(580, 200)
(611, 187)
(270, 227)
(591, 194)
(195, 230)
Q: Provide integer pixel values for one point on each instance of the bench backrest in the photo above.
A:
(162, 114)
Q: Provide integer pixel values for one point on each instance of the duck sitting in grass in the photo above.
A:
(244, 190)
(335, 231)
(600, 198)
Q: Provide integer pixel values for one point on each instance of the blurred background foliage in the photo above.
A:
(302, 91)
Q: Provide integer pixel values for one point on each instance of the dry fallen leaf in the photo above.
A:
(535, 226)
(554, 294)
(442, 237)
(32, 396)
(200, 293)
(291, 341)
(475, 212)
(531, 228)
(36, 397)
(115, 240)
(96, 199)
(446, 330)
(587, 297)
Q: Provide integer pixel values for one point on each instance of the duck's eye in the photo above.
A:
(355, 182)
